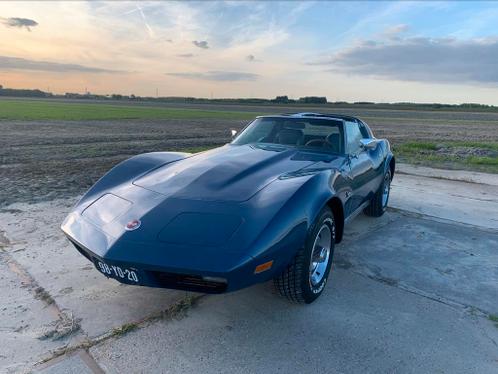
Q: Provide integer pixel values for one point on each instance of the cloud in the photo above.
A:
(218, 76)
(393, 32)
(15, 63)
(201, 44)
(421, 59)
(19, 22)
(250, 58)
(186, 55)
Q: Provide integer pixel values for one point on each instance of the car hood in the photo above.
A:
(228, 173)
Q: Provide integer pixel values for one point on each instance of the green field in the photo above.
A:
(48, 142)
(42, 110)
(480, 156)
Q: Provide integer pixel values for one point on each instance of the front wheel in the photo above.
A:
(305, 277)
(378, 203)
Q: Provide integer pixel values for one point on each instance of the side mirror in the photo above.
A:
(369, 143)
(233, 132)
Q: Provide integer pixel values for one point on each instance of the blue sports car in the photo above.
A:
(270, 205)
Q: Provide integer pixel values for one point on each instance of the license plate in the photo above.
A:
(117, 272)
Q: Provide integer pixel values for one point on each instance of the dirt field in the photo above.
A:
(44, 160)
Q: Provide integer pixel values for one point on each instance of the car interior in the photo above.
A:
(306, 134)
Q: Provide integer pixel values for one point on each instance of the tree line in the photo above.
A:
(284, 99)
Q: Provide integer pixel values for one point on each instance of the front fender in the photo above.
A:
(128, 170)
(286, 233)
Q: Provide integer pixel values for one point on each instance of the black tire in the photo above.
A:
(378, 205)
(295, 282)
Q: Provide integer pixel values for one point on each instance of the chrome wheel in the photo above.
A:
(320, 254)
(387, 187)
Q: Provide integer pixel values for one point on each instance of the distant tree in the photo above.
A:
(281, 99)
(23, 93)
(313, 100)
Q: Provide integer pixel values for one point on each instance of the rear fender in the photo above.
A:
(387, 166)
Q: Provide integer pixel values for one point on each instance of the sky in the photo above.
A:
(403, 51)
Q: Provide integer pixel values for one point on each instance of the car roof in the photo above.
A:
(330, 116)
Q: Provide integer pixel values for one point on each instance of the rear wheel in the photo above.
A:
(378, 203)
(305, 277)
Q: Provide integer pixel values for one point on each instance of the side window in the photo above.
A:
(353, 137)
(364, 131)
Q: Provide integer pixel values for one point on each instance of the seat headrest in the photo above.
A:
(335, 142)
(290, 136)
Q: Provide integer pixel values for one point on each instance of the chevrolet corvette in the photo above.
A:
(271, 204)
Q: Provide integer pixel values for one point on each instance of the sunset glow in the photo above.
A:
(371, 51)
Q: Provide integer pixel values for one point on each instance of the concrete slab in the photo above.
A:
(71, 365)
(359, 320)
(455, 175)
(445, 261)
(473, 204)
(358, 325)
(24, 321)
(100, 304)
(79, 362)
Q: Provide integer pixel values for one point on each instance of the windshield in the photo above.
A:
(312, 133)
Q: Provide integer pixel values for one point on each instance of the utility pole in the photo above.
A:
(157, 92)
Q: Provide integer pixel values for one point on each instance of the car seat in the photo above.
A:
(334, 141)
(290, 137)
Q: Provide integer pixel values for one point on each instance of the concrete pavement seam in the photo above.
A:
(176, 311)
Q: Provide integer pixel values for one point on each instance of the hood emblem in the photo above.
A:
(133, 225)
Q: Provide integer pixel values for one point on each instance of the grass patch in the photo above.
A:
(477, 156)
(43, 110)
(43, 295)
(176, 311)
(432, 146)
(127, 327)
(493, 317)
(417, 146)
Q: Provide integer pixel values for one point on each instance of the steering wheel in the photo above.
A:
(323, 142)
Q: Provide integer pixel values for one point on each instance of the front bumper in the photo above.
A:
(160, 279)
(186, 268)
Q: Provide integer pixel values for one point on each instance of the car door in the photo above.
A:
(360, 171)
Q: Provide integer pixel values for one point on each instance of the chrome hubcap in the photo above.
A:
(387, 187)
(320, 255)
